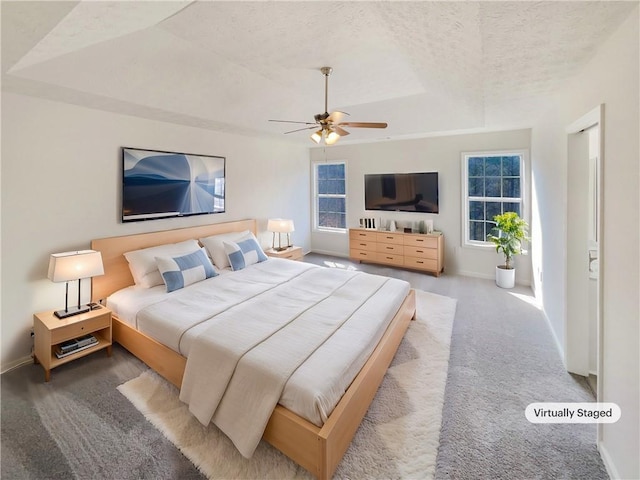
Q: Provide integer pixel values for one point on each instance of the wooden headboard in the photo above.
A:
(116, 269)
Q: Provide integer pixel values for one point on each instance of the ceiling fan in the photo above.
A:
(330, 125)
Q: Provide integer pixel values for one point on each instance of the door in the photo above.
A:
(577, 335)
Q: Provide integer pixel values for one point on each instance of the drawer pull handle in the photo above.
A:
(389, 238)
(363, 244)
(389, 258)
(419, 240)
(419, 261)
(389, 248)
(420, 251)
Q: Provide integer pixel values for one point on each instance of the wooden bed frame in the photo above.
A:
(318, 450)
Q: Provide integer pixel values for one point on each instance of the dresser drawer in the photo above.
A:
(390, 248)
(393, 238)
(421, 263)
(366, 245)
(363, 255)
(421, 241)
(368, 235)
(77, 329)
(390, 259)
(421, 252)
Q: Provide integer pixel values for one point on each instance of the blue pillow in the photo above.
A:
(178, 272)
(244, 253)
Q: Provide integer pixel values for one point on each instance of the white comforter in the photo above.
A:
(278, 331)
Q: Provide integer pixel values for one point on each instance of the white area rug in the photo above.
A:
(398, 437)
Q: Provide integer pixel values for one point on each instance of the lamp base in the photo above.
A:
(71, 311)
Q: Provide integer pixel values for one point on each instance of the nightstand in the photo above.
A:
(292, 253)
(50, 331)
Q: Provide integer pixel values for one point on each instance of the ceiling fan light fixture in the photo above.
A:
(332, 137)
(317, 136)
(330, 123)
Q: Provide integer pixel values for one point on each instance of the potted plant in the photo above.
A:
(509, 233)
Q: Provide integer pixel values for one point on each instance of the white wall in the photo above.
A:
(61, 181)
(548, 222)
(611, 78)
(442, 154)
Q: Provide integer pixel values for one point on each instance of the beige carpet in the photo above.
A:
(398, 437)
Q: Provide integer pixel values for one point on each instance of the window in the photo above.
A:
(493, 183)
(330, 196)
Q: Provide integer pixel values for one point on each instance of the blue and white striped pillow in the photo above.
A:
(179, 272)
(244, 253)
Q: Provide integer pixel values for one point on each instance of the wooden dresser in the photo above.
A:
(408, 250)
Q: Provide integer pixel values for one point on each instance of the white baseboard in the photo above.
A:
(17, 363)
(487, 276)
(608, 463)
(326, 252)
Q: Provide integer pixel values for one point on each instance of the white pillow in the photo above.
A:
(215, 246)
(143, 266)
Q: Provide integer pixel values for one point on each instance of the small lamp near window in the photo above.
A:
(280, 226)
(68, 266)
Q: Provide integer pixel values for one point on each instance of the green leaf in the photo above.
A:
(508, 235)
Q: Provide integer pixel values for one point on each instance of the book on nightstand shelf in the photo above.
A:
(77, 344)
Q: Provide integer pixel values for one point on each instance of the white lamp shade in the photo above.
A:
(317, 136)
(280, 225)
(332, 138)
(67, 266)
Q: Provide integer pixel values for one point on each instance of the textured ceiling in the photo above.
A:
(423, 67)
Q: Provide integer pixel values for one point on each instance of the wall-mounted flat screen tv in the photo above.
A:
(158, 184)
(402, 192)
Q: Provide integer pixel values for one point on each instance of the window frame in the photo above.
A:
(524, 189)
(317, 196)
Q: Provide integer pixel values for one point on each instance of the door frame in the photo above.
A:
(591, 119)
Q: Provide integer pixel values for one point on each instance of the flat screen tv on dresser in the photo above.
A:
(402, 192)
(158, 184)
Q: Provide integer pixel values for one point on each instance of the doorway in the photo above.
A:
(583, 320)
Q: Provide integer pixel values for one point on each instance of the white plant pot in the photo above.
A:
(505, 278)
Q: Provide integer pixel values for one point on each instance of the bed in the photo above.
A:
(318, 449)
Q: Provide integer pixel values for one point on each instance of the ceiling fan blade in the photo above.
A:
(292, 121)
(305, 128)
(340, 131)
(363, 124)
(336, 116)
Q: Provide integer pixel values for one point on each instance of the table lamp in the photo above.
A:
(280, 226)
(68, 266)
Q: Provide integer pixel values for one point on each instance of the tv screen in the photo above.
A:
(159, 184)
(402, 192)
